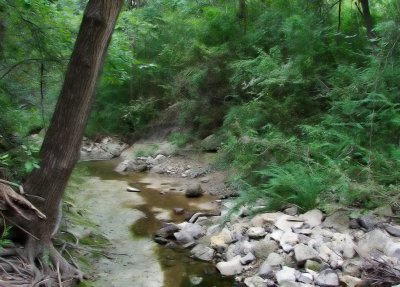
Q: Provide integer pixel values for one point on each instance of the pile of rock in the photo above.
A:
(107, 148)
(290, 249)
(159, 164)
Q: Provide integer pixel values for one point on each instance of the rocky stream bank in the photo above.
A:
(285, 248)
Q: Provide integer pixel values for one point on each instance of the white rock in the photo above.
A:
(247, 259)
(255, 281)
(350, 281)
(327, 278)
(203, 252)
(305, 278)
(276, 235)
(303, 252)
(287, 222)
(288, 240)
(274, 259)
(313, 217)
(264, 219)
(256, 232)
(231, 267)
(286, 274)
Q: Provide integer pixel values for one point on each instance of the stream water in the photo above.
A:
(129, 221)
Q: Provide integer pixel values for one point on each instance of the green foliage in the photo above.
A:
(4, 237)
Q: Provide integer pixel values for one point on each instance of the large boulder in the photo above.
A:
(108, 148)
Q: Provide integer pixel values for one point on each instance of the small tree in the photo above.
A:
(60, 149)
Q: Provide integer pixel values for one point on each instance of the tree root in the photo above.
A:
(39, 266)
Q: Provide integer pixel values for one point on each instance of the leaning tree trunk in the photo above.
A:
(60, 149)
(368, 20)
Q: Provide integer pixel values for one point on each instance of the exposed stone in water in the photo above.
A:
(231, 267)
(179, 210)
(203, 252)
(254, 281)
(194, 190)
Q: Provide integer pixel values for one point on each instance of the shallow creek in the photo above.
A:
(129, 220)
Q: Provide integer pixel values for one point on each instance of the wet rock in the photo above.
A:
(179, 211)
(167, 231)
(161, 240)
(313, 217)
(327, 278)
(247, 259)
(231, 267)
(392, 230)
(256, 232)
(203, 252)
(194, 190)
(189, 232)
(303, 252)
(286, 274)
(338, 220)
(255, 281)
(132, 189)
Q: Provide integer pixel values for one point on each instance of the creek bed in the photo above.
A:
(129, 220)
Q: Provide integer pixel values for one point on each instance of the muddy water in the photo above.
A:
(129, 220)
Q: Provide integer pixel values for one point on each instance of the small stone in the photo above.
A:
(305, 278)
(194, 190)
(276, 235)
(247, 259)
(338, 220)
(313, 217)
(179, 211)
(231, 267)
(288, 240)
(254, 281)
(368, 222)
(266, 270)
(303, 252)
(167, 231)
(161, 240)
(256, 232)
(287, 222)
(350, 281)
(132, 189)
(392, 230)
(313, 265)
(292, 211)
(286, 274)
(274, 259)
(195, 280)
(264, 247)
(203, 252)
(327, 278)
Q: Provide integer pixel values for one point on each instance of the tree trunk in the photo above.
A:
(61, 146)
(368, 20)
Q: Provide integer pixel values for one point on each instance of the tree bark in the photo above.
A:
(368, 20)
(60, 149)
